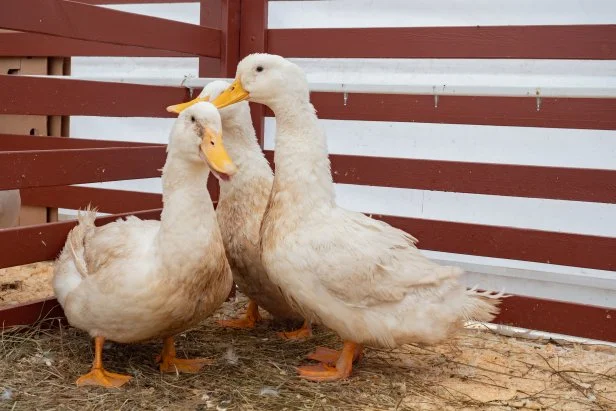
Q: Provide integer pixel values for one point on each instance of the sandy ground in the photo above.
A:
(255, 370)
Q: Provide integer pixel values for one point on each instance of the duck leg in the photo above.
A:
(98, 375)
(325, 372)
(300, 334)
(328, 356)
(249, 320)
(168, 362)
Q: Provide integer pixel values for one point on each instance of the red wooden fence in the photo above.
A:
(231, 29)
(45, 167)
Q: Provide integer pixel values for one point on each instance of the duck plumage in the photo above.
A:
(358, 276)
(135, 280)
(241, 206)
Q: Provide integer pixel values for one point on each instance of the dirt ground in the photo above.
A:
(255, 370)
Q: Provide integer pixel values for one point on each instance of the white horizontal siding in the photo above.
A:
(423, 13)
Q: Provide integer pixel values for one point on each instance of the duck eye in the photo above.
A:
(259, 68)
(192, 118)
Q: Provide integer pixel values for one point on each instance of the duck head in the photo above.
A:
(266, 79)
(210, 92)
(233, 112)
(197, 136)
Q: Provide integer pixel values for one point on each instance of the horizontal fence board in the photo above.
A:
(568, 249)
(105, 200)
(41, 45)
(44, 242)
(533, 313)
(136, 1)
(559, 317)
(477, 178)
(96, 98)
(22, 169)
(80, 21)
(16, 142)
(39, 311)
(577, 113)
(596, 42)
(577, 250)
(86, 98)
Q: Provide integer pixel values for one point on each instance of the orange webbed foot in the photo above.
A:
(168, 362)
(188, 366)
(323, 373)
(326, 372)
(300, 334)
(102, 378)
(324, 355)
(328, 356)
(249, 320)
(98, 375)
(239, 323)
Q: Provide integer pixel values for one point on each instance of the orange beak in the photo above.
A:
(215, 154)
(178, 108)
(233, 94)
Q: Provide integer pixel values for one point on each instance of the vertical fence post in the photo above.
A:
(224, 15)
(253, 39)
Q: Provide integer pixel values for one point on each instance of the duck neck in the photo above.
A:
(301, 156)
(188, 219)
(242, 146)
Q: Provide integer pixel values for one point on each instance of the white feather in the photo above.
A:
(361, 277)
(133, 280)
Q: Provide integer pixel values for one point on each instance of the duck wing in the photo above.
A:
(366, 262)
(120, 241)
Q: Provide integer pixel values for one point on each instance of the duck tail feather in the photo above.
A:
(482, 305)
(77, 237)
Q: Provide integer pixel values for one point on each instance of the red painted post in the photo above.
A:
(253, 39)
(225, 15)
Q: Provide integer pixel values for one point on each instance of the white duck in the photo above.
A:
(10, 203)
(133, 280)
(360, 277)
(240, 210)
